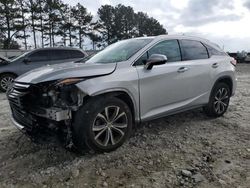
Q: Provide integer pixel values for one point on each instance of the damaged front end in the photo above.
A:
(48, 105)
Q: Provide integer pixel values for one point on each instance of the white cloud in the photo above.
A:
(247, 4)
(224, 22)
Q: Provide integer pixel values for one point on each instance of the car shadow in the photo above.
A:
(18, 149)
(173, 122)
(45, 141)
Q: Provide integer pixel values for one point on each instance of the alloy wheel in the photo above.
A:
(221, 100)
(110, 126)
(6, 82)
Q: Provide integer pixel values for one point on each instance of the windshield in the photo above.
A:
(120, 51)
(21, 56)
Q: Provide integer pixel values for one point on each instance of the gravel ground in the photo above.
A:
(184, 150)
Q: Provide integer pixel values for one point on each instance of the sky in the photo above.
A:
(225, 22)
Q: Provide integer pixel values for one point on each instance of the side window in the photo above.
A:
(77, 54)
(59, 54)
(213, 51)
(170, 48)
(192, 50)
(42, 55)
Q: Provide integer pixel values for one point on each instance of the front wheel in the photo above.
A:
(102, 125)
(5, 81)
(219, 100)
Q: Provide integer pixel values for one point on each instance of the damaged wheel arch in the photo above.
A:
(120, 94)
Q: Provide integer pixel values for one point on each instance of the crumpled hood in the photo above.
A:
(66, 70)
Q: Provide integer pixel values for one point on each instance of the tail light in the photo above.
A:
(233, 62)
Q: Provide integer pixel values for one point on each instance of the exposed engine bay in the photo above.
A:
(54, 102)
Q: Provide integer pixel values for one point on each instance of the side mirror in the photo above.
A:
(26, 60)
(155, 59)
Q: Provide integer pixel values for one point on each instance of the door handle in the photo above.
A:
(182, 69)
(215, 65)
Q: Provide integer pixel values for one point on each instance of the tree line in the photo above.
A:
(55, 23)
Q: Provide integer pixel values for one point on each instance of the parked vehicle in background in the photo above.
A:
(34, 59)
(4, 60)
(247, 58)
(234, 55)
(12, 53)
(237, 56)
(97, 100)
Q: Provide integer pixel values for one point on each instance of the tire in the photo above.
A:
(92, 130)
(5, 81)
(219, 100)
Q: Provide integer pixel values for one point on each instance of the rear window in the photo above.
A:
(192, 50)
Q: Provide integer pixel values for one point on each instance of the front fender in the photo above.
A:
(125, 82)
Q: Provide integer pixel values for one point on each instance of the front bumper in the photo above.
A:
(28, 121)
(18, 125)
(27, 117)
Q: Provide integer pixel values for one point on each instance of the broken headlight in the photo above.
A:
(69, 81)
(63, 93)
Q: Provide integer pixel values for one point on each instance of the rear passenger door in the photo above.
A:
(195, 59)
(58, 56)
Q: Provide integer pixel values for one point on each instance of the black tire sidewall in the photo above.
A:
(211, 108)
(83, 135)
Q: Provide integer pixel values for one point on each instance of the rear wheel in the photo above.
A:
(5, 81)
(103, 124)
(219, 100)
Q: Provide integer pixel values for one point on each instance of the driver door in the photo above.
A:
(165, 87)
(37, 59)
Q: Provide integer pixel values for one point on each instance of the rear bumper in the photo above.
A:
(234, 86)
(17, 125)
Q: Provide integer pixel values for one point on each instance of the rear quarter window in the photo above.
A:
(213, 51)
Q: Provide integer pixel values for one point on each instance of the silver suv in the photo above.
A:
(97, 100)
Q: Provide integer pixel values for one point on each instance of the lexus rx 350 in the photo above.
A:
(98, 99)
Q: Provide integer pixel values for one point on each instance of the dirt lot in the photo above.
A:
(186, 150)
